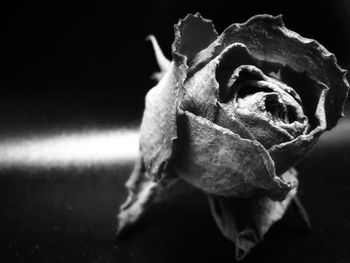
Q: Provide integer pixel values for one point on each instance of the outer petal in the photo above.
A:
(220, 162)
(143, 193)
(245, 221)
(158, 128)
(193, 34)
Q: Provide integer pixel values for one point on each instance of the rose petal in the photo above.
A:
(202, 93)
(245, 221)
(202, 89)
(287, 154)
(264, 131)
(143, 192)
(232, 57)
(251, 72)
(158, 128)
(269, 40)
(309, 90)
(140, 193)
(225, 118)
(220, 162)
(193, 34)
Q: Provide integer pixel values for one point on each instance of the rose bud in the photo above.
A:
(231, 115)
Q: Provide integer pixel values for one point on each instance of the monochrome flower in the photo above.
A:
(231, 115)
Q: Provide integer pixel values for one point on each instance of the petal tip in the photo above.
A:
(263, 18)
(192, 34)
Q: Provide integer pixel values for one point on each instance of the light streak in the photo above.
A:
(89, 148)
(79, 149)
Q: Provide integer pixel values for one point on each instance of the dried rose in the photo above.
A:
(231, 115)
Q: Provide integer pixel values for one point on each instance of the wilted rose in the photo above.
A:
(231, 115)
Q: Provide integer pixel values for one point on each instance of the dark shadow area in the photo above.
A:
(61, 216)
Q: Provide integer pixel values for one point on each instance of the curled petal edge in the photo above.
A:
(192, 34)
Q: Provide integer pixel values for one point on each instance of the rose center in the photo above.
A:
(264, 101)
(276, 108)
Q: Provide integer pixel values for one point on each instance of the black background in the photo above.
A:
(86, 64)
(90, 58)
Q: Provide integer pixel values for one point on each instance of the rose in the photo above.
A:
(231, 115)
(200, 90)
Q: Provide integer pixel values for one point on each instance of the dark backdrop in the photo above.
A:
(90, 57)
(86, 64)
